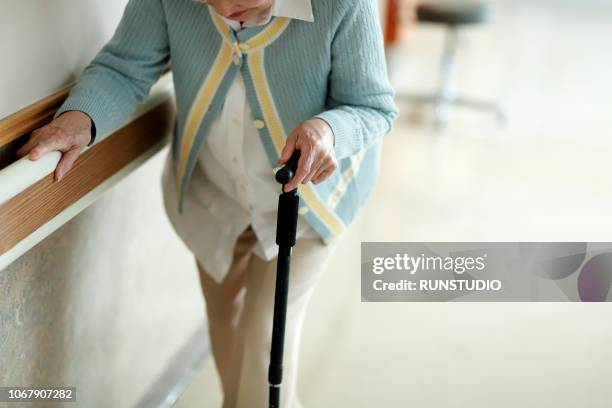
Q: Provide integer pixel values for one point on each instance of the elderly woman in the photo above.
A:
(254, 81)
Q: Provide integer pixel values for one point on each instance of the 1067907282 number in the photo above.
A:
(25, 394)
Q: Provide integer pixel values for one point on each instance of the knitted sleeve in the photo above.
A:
(122, 73)
(360, 98)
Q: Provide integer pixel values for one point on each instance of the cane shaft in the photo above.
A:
(286, 228)
(285, 238)
(275, 372)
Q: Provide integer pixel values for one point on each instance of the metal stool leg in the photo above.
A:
(446, 95)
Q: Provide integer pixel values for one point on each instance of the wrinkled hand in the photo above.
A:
(315, 141)
(69, 133)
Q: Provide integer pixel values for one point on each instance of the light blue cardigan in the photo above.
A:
(332, 68)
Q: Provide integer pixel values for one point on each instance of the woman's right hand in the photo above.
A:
(69, 133)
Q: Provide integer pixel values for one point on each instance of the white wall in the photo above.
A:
(46, 43)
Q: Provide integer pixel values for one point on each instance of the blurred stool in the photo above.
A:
(453, 15)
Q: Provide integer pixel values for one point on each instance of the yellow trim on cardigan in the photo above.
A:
(268, 108)
(200, 106)
(345, 179)
(221, 26)
(262, 39)
(276, 131)
(267, 36)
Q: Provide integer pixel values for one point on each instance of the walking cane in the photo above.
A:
(286, 225)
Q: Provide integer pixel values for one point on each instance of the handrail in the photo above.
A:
(21, 174)
(32, 116)
(25, 185)
(36, 114)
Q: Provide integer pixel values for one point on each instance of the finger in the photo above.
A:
(320, 176)
(23, 150)
(304, 165)
(324, 172)
(317, 165)
(66, 162)
(49, 144)
(287, 150)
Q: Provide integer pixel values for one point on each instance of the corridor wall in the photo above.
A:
(106, 301)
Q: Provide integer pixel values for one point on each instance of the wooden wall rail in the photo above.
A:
(36, 115)
(28, 210)
(31, 117)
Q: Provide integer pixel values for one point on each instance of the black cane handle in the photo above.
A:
(286, 174)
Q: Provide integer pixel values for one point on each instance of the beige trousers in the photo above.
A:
(240, 312)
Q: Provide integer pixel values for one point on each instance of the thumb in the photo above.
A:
(287, 150)
(66, 162)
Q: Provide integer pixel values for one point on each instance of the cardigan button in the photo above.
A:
(236, 60)
(259, 124)
(303, 210)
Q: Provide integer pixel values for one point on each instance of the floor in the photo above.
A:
(543, 177)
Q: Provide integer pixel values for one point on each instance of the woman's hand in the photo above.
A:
(315, 141)
(69, 133)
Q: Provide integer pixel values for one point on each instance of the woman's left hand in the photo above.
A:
(315, 141)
